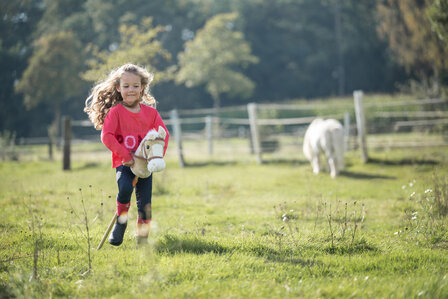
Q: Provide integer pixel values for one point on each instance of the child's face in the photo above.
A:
(130, 88)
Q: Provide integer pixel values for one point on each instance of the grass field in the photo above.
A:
(229, 228)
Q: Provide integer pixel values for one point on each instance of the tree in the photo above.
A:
(52, 75)
(315, 48)
(438, 13)
(214, 58)
(181, 19)
(138, 46)
(17, 22)
(411, 38)
(66, 15)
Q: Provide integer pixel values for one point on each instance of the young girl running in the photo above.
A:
(122, 107)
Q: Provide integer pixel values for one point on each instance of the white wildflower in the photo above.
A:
(403, 187)
(428, 191)
(413, 218)
(412, 194)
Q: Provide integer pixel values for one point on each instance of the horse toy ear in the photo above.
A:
(162, 132)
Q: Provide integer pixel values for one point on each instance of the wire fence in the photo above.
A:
(257, 129)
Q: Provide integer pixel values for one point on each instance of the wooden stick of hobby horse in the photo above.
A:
(109, 228)
(111, 224)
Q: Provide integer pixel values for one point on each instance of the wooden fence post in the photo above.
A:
(66, 138)
(209, 132)
(361, 124)
(177, 135)
(347, 130)
(255, 137)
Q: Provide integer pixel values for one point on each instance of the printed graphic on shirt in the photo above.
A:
(130, 141)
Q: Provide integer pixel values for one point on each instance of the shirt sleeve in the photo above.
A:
(109, 139)
(159, 122)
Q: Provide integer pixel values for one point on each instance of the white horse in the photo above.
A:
(149, 154)
(327, 137)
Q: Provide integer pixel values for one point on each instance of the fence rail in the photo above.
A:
(246, 122)
(419, 123)
(407, 114)
(211, 124)
(406, 103)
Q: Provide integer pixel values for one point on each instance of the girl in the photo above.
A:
(121, 106)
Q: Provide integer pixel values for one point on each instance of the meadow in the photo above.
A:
(226, 227)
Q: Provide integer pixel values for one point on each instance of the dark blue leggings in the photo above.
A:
(143, 191)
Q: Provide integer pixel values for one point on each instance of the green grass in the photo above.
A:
(226, 227)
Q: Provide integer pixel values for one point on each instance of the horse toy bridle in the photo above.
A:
(145, 157)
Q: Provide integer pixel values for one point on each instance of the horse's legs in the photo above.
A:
(333, 169)
(340, 162)
(334, 151)
(315, 163)
(331, 160)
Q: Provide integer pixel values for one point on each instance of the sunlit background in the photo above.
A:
(224, 55)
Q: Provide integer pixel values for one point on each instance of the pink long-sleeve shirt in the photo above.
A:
(123, 131)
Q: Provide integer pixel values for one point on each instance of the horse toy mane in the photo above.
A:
(149, 154)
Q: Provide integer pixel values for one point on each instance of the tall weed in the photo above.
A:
(340, 225)
(428, 216)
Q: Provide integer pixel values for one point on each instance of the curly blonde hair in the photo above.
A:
(105, 95)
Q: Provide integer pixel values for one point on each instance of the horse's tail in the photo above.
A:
(307, 151)
(307, 139)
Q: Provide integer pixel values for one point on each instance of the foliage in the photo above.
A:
(426, 218)
(300, 53)
(438, 13)
(65, 15)
(105, 16)
(214, 57)
(306, 49)
(138, 44)
(412, 39)
(52, 73)
(19, 19)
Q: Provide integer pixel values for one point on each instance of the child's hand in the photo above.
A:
(129, 163)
